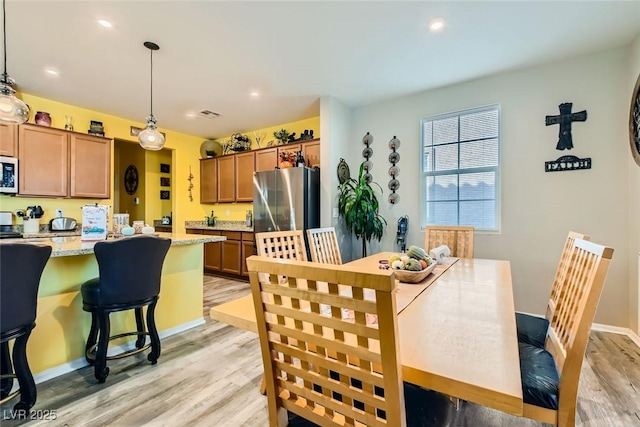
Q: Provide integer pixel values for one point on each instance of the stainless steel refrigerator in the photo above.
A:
(286, 199)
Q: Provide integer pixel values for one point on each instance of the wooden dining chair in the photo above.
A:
(458, 239)
(323, 245)
(327, 369)
(532, 329)
(282, 244)
(550, 375)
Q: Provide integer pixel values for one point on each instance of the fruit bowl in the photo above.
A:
(407, 276)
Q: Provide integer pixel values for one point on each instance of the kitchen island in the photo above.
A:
(57, 343)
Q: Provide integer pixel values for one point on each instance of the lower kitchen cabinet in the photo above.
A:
(248, 249)
(212, 253)
(227, 257)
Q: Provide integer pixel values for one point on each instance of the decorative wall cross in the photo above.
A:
(565, 141)
(564, 119)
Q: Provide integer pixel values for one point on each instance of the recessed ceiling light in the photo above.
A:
(436, 25)
(105, 23)
(254, 94)
(190, 115)
(51, 72)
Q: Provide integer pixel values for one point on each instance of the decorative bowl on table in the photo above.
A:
(407, 276)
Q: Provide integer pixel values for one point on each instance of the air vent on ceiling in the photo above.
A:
(209, 114)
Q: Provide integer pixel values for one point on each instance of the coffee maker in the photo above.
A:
(401, 237)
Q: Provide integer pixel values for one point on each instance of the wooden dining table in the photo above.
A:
(456, 328)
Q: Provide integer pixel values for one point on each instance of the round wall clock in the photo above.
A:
(131, 179)
(634, 123)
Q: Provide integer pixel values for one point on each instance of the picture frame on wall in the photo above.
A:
(165, 168)
(165, 195)
(165, 181)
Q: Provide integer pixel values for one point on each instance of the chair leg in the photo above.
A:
(153, 333)
(100, 369)
(5, 369)
(91, 339)
(140, 325)
(28, 392)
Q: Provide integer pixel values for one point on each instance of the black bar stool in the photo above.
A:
(21, 267)
(130, 270)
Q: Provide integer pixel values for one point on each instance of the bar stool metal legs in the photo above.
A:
(17, 367)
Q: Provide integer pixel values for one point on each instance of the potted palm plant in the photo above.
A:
(358, 205)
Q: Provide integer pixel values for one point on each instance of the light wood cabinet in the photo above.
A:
(226, 178)
(8, 140)
(248, 249)
(57, 163)
(244, 167)
(231, 253)
(44, 162)
(209, 181)
(212, 252)
(267, 160)
(311, 153)
(90, 166)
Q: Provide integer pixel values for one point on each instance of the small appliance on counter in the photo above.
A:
(63, 224)
(6, 231)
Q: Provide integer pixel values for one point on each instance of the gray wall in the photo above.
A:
(538, 208)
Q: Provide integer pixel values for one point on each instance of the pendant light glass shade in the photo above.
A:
(12, 110)
(150, 138)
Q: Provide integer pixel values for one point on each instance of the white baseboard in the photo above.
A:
(65, 368)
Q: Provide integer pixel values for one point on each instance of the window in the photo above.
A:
(461, 169)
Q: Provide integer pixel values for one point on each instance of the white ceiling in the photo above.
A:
(213, 54)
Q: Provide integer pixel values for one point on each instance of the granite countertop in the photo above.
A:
(71, 245)
(220, 226)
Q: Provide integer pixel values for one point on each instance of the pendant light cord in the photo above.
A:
(4, 36)
(151, 50)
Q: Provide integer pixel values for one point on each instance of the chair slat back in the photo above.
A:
(557, 289)
(282, 244)
(322, 359)
(458, 239)
(323, 245)
(569, 329)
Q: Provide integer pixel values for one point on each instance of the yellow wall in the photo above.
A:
(298, 127)
(237, 211)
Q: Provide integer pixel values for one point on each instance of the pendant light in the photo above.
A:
(150, 138)
(12, 110)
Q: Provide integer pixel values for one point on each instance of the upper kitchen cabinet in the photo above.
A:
(58, 163)
(311, 153)
(90, 166)
(8, 140)
(229, 178)
(267, 159)
(245, 166)
(209, 181)
(226, 179)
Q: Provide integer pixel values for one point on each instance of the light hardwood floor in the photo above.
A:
(209, 376)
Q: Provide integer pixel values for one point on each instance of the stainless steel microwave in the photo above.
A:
(9, 169)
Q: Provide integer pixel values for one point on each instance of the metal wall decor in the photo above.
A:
(565, 140)
(367, 153)
(634, 123)
(394, 170)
